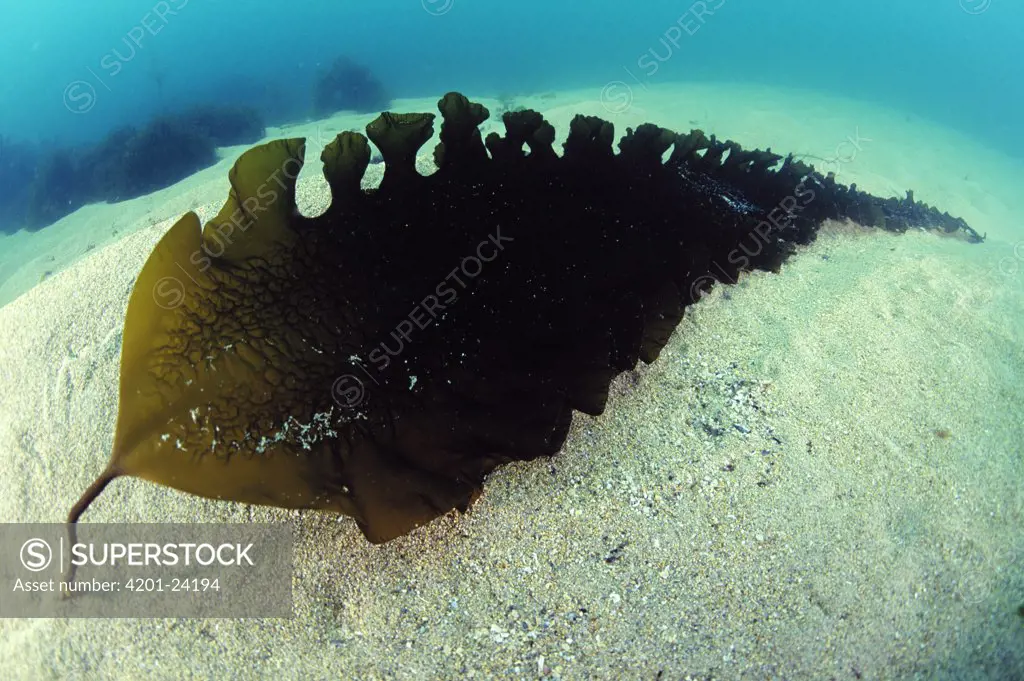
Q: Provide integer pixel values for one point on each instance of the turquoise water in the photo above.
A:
(956, 61)
(75, 73)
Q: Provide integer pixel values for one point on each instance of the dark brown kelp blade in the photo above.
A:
(381, 359)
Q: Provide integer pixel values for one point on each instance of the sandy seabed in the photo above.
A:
(820, 478)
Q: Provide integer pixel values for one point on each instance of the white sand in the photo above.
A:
(858, 544)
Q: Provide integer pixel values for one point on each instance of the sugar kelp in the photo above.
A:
(381, 359)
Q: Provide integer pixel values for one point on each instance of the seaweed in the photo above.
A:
(128, 162)
(132, 162)
(350, 86)
(107, 165)
(275, 102)
(381, 359)
(226, 125)
(180, 148)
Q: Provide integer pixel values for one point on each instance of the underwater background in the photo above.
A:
(953, 62)
(78, 76)
(822, 477)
